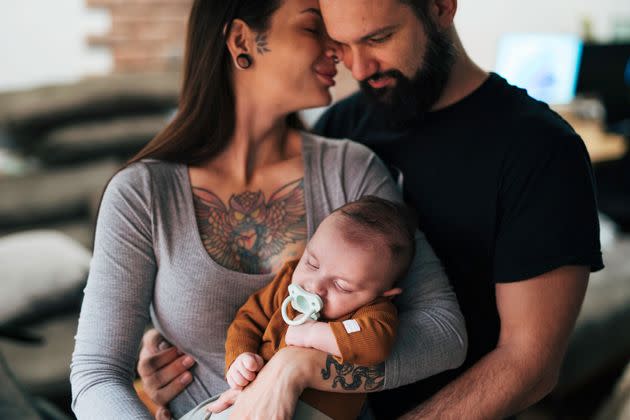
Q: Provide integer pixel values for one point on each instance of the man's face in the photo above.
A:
(398, 60)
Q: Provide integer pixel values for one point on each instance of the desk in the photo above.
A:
(602, 146)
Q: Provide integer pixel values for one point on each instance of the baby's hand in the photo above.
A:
(243, 370)
(299, 335)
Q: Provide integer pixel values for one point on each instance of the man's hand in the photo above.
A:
(243, 370)
(276, 389)
(225, 401)
(163, 370)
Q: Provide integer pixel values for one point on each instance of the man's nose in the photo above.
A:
(361, 64)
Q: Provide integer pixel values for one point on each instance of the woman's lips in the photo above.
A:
(327, 77)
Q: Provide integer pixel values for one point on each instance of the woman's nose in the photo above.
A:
(333, 50)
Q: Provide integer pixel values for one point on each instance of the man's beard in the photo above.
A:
(411, 98)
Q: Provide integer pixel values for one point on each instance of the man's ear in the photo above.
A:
(239, 39)
(392, 292)
(443, 13)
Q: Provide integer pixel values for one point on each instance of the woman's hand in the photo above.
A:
(276, 389)
(163, 370)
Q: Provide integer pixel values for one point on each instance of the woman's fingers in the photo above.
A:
(226, 400)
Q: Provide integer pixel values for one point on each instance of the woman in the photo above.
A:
(205, 214)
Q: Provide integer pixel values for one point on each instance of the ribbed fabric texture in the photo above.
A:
(373, 342)
(149, 264)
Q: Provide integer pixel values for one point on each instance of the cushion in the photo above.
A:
(42, 272)
(29, 115)
(52, 195)
(120, 137)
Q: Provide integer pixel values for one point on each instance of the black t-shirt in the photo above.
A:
(503, 189)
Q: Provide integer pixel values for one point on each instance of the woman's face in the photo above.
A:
(293, 66)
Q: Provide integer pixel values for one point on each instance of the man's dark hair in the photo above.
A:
(372, 217)
(420, 7)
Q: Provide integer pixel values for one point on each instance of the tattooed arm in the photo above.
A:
(293, 369)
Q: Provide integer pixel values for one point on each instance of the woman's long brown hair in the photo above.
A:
(205, 119)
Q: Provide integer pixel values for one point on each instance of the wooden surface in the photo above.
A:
(601, 146)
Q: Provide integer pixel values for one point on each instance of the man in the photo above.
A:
(503, 190)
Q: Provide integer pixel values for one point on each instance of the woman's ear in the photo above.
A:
(239, 40)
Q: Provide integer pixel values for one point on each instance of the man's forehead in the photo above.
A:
(350, 20)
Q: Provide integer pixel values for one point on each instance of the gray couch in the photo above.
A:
(59, 146)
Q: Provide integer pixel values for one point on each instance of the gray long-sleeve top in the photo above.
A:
(149, 264)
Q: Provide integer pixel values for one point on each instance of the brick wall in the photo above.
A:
(145, 35)
(148, 35)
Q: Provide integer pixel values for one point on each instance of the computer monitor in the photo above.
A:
(546, 65)
(605, 73)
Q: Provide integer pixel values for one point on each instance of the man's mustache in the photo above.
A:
(379, 75)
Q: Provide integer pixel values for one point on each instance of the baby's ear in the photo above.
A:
(392, 292)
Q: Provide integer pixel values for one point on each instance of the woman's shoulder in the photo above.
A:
(142, 175)
(146, 169)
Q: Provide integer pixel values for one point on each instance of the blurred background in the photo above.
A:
(85, 83)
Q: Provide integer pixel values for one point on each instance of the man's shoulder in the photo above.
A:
(521, 110)
(525, 121)
(541, 129)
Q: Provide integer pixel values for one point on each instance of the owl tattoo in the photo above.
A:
(247, 233)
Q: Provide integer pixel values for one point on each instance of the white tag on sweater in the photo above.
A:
(351, 326)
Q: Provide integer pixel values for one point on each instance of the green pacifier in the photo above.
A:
(308, 304)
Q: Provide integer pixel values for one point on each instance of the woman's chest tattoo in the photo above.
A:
(248, 233)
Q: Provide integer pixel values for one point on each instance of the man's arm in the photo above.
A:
(537, 317)
(293, 369)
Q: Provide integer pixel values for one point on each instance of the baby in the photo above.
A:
(346, 277)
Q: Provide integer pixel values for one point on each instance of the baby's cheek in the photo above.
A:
(298, 277)
(331, 306)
